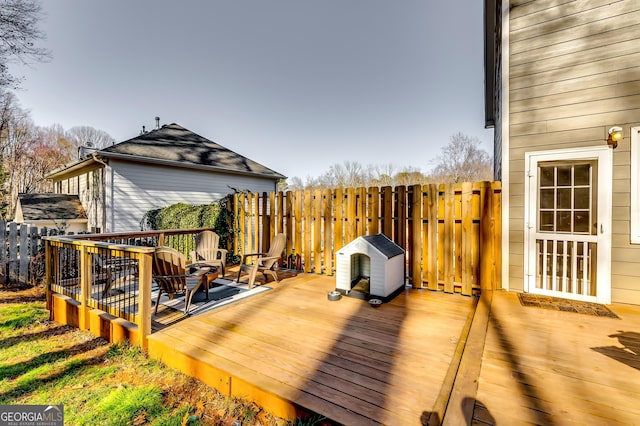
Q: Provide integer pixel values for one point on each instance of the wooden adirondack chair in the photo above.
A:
(172, 277)
(114, 269)
(207, 251)
(263, 262)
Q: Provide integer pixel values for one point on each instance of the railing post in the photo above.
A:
(48, 261)
(144, 298)
(85, 287)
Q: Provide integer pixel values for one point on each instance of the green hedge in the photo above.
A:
(216, 215)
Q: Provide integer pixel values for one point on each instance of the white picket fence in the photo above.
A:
(19, 244)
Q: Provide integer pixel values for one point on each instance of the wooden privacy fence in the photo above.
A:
(19, 244)
(451, 233)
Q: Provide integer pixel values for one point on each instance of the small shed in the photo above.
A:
(58, 211)
(370, 266)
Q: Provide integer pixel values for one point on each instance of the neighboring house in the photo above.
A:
(117, 185)
(54, 211)
(560, 75)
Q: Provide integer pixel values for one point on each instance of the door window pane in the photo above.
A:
(565, 197)
(581, 222)
(564, 176)
(582, 174)
(546, 221)
(582, 200)
(563, 221)
(547, 198)
(547, 176)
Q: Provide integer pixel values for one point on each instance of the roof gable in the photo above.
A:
(174, 143)
(380, 243)
(384, 245)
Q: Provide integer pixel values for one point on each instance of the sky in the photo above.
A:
(296, 85)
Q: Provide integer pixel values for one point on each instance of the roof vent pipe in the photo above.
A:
(143, 130)
(157, 123)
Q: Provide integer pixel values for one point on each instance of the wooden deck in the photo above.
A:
(423, 358)
(291, 347)
(548, 367)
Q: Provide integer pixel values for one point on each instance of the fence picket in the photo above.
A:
(317, 231)
(23, 273)
(327, 245)
(431, 245)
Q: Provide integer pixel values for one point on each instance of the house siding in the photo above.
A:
(137, 188)
(80, 184)
(574, 71)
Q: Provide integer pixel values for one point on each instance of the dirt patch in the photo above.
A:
(22, 294)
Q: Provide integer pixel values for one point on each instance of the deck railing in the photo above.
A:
(451, 233)
(111, 273)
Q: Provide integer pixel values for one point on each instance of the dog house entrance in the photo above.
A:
(360, 275)
(370, 266)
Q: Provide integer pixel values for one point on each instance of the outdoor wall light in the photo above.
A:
(615, 136)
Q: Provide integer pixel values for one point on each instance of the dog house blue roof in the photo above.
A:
(384, 245)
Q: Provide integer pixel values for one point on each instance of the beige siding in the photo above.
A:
(575, 72)
(137, 188)
(79, 184)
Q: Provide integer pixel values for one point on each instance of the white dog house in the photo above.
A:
(371, 266)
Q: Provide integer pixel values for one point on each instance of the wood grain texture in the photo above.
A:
(342, 359)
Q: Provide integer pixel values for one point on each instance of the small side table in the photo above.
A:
(208, 277)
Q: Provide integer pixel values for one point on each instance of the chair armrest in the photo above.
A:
(244, 256)
(195, 274)
(263, 259)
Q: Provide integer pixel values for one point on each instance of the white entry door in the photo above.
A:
(568, 223)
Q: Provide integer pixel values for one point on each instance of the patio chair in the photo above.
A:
(207, 252)
(172, 277)
(114, 269)
(263, 262)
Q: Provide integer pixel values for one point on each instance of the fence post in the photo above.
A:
(387, 211)
(4, 265)
(416, 238)
(448, 235)
(307, 230)
(267, 235)
(13, 252)
(488, 249)
(317, 231)
(24, 254)
(338, 209)
(327, 204)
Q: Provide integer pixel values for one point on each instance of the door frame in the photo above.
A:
(604, 157)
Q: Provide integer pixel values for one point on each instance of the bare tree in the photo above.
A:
(382, 175)
(89, 136)
(18, 34)
(409, 176)
(349, 174)
(463, 160)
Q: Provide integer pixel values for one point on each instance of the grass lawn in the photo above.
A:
(42, 362)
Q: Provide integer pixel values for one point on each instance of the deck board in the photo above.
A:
(341, 359)
(550, 367)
